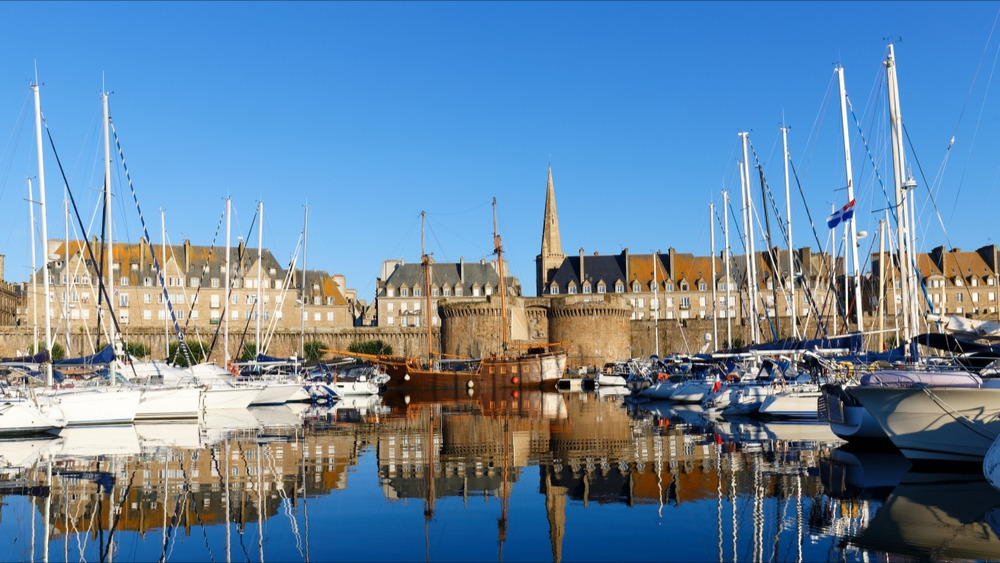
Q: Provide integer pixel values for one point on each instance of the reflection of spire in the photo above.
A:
(555, 509)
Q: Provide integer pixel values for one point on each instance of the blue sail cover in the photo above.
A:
(38, 358)
(849, 341)
(105, 356)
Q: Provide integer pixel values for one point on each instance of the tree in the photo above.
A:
(57, 352)
(137, 349)
(373, 347)
(249, 352)
(314, 350)
(196, 349)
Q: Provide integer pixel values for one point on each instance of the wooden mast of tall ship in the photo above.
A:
(425, 262)
(498, 250)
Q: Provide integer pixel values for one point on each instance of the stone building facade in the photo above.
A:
(188, 291)
(401, 289)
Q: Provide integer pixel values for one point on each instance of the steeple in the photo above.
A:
(551, 256)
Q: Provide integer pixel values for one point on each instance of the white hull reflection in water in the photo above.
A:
(526, 473)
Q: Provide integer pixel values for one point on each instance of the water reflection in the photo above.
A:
(530, 476)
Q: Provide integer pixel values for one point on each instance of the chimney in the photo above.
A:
(582, 277)
(672, 256)
(187, 256)
(143, 249)
(625, 256)
(461, 270)
(240, 256)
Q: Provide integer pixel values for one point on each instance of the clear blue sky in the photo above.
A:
(372, 112)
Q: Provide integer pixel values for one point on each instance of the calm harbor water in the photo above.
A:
(529, 477)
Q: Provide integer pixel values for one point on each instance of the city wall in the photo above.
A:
(597, 335)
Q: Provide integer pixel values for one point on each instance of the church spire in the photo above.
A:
(551, 256)
(551, 243)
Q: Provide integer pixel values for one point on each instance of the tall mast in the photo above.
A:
(853, 230)
(725, 253)
(34, 273)
(225, 294)
(109, 275)
(833, 268)
(715, 301)
(260, 268)
(498, 249)
(748, 234)
(69, 351)
(881, 285)
(45, 233)
(425, 261)
(793, 278)
(166, 310)
(656, 304)
(302, 327)
(902, 217)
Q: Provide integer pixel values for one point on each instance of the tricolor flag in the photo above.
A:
(840, 215)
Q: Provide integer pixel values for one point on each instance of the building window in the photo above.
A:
(123, 281)
(554, 290)
(601, 288)
(123, 299)
(636, 287)
(434, 292)
(458, 291)
(586, 288)
(403, 292)
(702, 286)
(447, 291)
(572, 289)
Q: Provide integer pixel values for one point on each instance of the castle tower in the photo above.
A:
(552, 255)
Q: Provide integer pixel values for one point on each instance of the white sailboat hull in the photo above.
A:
(96, 405)
(936, 423)
(169, 403)
(21, 416)
(221, 397)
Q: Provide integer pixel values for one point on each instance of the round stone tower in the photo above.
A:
(471, 329)
(597, 326)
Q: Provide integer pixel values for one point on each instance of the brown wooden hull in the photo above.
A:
(527, 371)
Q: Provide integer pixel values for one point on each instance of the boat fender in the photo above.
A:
(661, 376)
(732, 376)
(470, 384)
(406, 377)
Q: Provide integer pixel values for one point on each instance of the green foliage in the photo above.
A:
(196, 349)
(57, 353)
(737, 343)
(137, 349)
(314, 350)
(374, 347)
(249, 352)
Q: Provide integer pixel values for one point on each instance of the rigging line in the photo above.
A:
(90, 251)
(820, 325)
(16, 139)
(232, 285)
(981, 109)
(152, 252)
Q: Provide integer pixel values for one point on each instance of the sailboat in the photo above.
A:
(531, 366)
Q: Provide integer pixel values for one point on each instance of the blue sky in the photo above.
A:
(372, 112)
